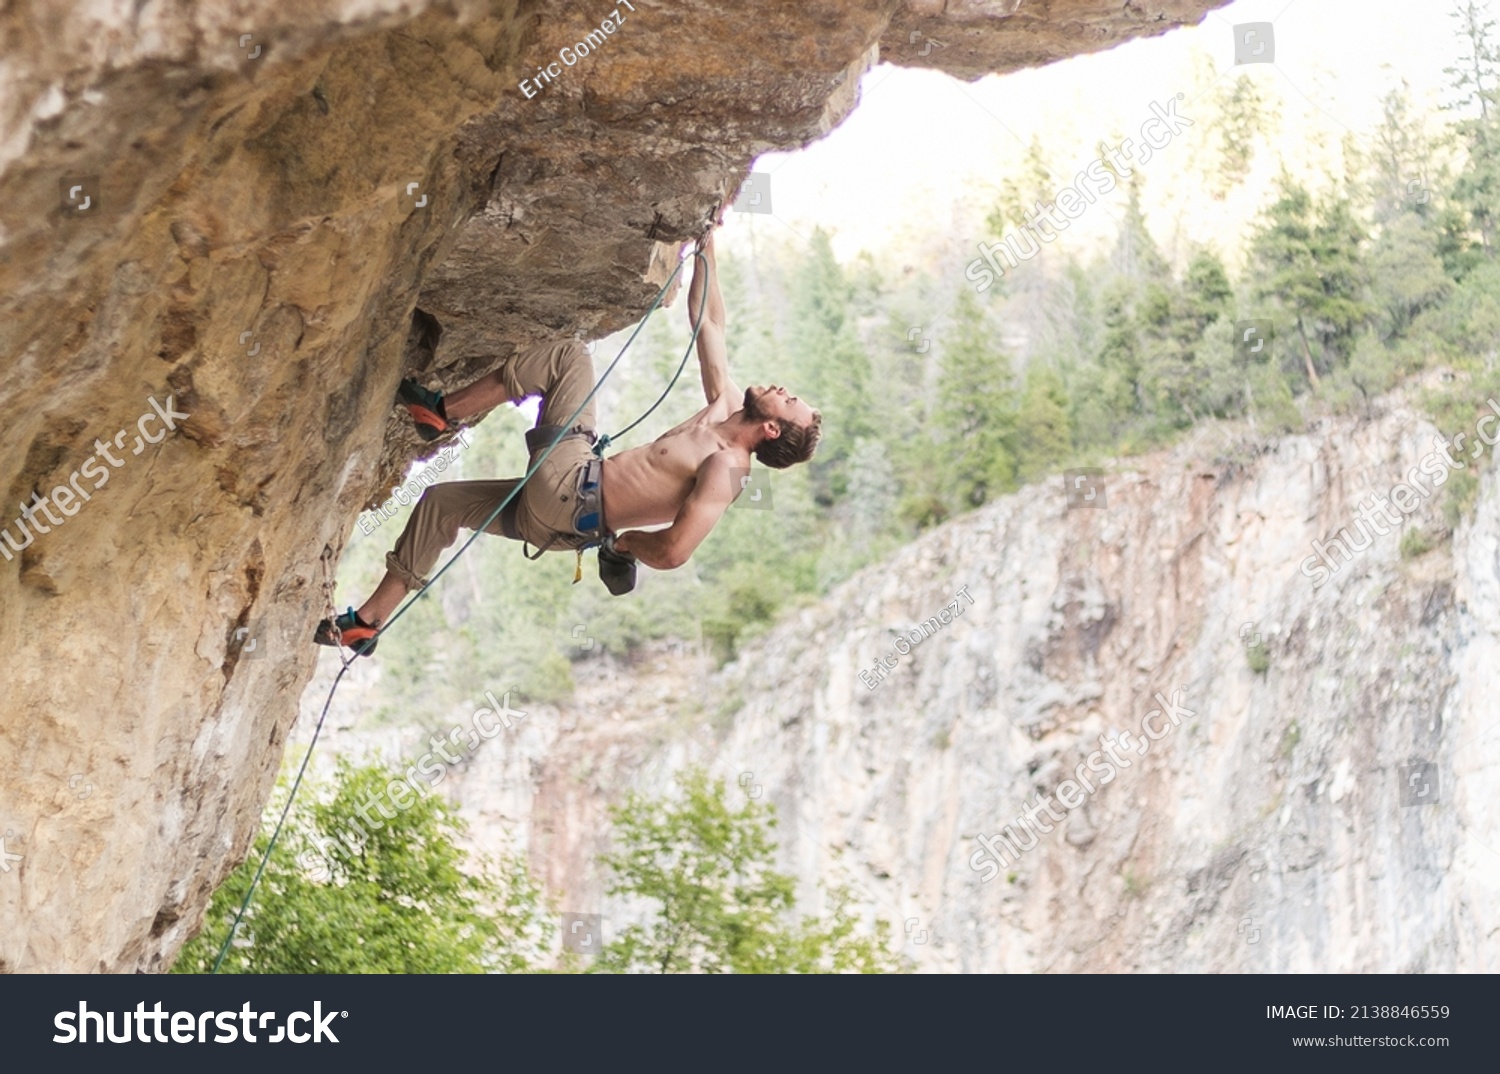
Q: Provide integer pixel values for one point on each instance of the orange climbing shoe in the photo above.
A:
(347, 629)
(426, 409)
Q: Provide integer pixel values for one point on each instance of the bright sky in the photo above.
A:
(916, 165)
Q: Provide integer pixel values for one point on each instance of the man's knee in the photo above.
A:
(438, 499)
(571, 356)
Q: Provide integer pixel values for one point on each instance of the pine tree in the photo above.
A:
(1406, 273)
(1044, 437)
(1174, 320)
(828, 358)
(1401, 178)
(1136, 255)
(1242, 118)
(1036, 306)
(1308, 262)
(975, 410)
(1339, 241)
(1476, 78)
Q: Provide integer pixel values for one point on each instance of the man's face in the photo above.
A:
(773, 403)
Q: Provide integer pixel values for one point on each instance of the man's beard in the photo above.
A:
(753, 409)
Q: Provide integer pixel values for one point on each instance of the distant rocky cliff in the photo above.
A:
(1318, 793)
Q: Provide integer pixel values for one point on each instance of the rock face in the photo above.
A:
(1336, 810)
(258, 217)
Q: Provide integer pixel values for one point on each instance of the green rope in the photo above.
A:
(535, 466)
(605, 441)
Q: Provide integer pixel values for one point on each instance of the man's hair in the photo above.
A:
(795, 444)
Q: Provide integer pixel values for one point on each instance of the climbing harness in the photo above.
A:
(559, 434)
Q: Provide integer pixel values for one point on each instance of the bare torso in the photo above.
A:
(647, 485)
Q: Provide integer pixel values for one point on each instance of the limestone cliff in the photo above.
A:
(226, 232)
(1323, 797)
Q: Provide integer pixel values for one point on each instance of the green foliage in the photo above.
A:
(1306, 261)
(1371, 371)
(405, 899)
(1406, 273)
(1460, 492)
(1476, 80)
(1415, 543)
(718, 904)
(743, 598)
(1044, 435)
(834, 367)
(1258, 658)
(1400, 168)
(974, 413)
(1465, 329)
(935, 400)
(1242, 118)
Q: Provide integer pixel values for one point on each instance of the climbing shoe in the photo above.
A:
(347, 629)
(426, 409)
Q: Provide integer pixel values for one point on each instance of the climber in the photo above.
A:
(686, 477)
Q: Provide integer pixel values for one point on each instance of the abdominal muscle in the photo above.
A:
(647, 485)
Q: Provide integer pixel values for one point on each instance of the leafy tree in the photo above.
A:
(406, 898)
(1407, 273)
(1372, 370)
(720, 906)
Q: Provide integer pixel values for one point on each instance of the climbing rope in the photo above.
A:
(606, 440)
(562, 435)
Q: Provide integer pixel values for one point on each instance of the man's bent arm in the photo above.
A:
(713, 359)
(668, 549)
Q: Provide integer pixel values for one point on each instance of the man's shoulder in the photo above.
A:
(719, 473)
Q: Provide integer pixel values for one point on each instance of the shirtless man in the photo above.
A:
(684, 480)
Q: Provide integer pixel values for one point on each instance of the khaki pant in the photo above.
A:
(563, 374)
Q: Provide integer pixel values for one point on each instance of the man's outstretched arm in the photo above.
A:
(713, 360)
(668, 549)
